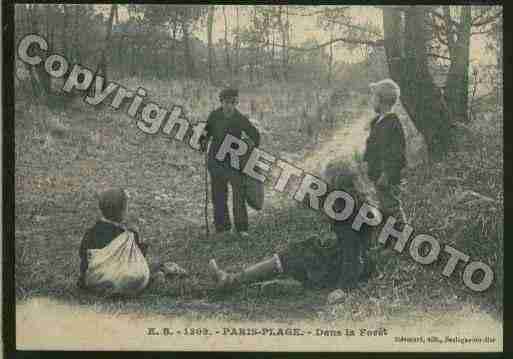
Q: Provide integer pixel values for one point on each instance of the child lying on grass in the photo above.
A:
(339, 264)
(112, 256)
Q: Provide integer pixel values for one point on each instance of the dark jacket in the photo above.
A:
(386, 149)
(218, 126)
(338, 263)
(100, 236)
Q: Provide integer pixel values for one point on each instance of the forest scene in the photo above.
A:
(303, 75)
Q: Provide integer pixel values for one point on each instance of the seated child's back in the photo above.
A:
(112, 256)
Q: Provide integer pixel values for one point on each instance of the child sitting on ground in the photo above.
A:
(112, 256)
(337, 264)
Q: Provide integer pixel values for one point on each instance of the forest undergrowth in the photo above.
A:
(65, 156)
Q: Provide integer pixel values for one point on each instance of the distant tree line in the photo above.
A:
(425, 49)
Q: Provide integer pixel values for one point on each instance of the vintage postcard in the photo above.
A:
(258, 177)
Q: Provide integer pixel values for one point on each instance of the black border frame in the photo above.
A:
(8, 203)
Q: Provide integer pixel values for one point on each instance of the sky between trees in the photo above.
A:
(307, 28)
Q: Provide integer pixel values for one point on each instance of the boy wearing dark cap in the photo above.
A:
(385, 148)
(227, 120)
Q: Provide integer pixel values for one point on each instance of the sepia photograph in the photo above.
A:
(257, 178)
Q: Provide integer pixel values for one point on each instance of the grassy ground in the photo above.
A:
(58, 172)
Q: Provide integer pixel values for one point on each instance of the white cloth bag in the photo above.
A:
(119, 268)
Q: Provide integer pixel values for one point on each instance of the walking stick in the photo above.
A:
(206, 193)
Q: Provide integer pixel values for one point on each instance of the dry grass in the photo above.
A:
(57, 176)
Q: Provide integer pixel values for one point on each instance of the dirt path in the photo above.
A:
(343, 142)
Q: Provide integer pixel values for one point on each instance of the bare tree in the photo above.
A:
(226, 46)
(330, 59)
(39, 77)
(178, 17)
(283, 22)
(237, 43)
(75, 35)
(102, 65)
(64, 32)
(211, 54)
(189, 61)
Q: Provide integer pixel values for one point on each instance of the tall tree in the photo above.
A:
(75, 36)
(226, 46)
(39, 77)
(237, 42)
(405, 47)
(330, 59)
(284, 24)
(188, 59)
(178, 17)
(415, 37)
(499, 44)
(102, 65)
(456, 36)
(211, 54)
(64, 33)
(188, 16)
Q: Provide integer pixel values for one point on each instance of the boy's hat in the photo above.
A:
(228, 93)
(387, 90)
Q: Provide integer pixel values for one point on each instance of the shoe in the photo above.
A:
(158, 278)
(223, 280)
(243, 234)
(173, 269)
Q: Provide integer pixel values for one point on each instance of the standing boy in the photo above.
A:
(222, 121)
(385, 149)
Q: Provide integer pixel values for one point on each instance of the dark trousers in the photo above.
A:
(219, 183)
(390, 201)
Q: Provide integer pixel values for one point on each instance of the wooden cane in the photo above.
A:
(206, 194)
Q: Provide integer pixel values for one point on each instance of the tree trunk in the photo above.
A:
(456, 87)
(237, 44)
(133, 62)
(76, 35)
(274, 73)
(39, 77)
(408, 67)
(284, 29)
(121, 54)
(102, 66)
(252, 60)
(500, 63)
(226, 48)
(48, 14)
(189, 62)
(49, 29)
(330, 60)
(211, 55)
(173, 49)
(31, 26)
